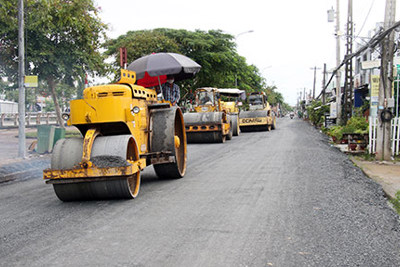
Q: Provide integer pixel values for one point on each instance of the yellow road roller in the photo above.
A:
(259, 117)
(230, 103)
(124, 128)
(209, 123)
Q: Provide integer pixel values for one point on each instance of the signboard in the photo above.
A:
(333, 113)
(31, 81)
(372, 64)
(329, 121)
(374, 95)
(374, 89)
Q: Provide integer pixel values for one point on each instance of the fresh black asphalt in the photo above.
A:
(279, 198)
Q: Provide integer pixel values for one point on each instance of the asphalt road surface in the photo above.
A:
(280, 198)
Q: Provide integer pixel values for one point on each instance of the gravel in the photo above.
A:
(105, 161)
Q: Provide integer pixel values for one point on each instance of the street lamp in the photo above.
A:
(262, 70)
(249, 31)
(237, 35)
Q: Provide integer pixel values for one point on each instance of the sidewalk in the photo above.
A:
(9, 145)
(387, 174)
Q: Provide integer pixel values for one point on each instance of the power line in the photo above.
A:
(369, 11)
(375, 40)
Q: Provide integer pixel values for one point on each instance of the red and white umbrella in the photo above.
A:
(152, 70)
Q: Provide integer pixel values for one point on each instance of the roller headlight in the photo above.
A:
(136, 110)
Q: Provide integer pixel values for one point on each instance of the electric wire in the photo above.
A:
(375, 40)
(369, 11)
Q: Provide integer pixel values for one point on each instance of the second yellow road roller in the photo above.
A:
(209, 123)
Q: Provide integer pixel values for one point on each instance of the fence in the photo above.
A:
(9, 120)
(395, 135)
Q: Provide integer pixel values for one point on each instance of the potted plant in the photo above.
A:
(356, 125)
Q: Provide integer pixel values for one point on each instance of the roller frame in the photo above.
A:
(93, 172)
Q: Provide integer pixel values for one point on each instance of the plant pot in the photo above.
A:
(353, 147)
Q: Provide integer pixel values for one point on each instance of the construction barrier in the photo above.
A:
(10, 120)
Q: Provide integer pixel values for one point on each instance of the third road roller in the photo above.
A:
(260, 116)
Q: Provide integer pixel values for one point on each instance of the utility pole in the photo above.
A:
(21, 81)
(383, 148)
(348, 83)
(338, 79)
(315, 77)
(323, 84)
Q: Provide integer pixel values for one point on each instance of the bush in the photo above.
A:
(316, 112)
(355, 125)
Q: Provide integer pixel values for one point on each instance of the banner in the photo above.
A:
(374, 95)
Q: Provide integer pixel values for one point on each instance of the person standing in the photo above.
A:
(171, 92)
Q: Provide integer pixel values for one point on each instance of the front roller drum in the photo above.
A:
(254, 114)
(204, 119)
(121, 188)
(168, 134)
(107, 151)
(205, 137)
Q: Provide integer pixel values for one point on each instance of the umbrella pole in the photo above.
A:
(159, 83)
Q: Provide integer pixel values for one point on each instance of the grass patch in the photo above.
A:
(364, 157)
(68, 134)
(368, 157)
(396, 202)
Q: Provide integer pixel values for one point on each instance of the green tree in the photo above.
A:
(214, 50)
(139, 44)
(63, 38)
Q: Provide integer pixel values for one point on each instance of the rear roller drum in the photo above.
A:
(235, 125)
(168, 134)
(230, 134)
(67, 154)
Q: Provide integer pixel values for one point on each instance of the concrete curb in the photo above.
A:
(23, 169)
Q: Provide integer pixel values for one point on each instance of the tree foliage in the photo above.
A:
(214, 50)
(62, 41)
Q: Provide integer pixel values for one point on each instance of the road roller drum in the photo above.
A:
(107, 152)
(207, 127)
